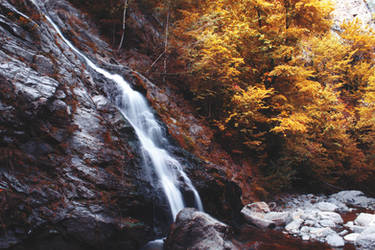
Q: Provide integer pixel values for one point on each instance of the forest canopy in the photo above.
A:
(283, 88)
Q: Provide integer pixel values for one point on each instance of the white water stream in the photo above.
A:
(135, 109)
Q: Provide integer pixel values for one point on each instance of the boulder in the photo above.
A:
(326, 206)
(354, 198)
(197, 230)
(154, 245)
(278, 218)
(321, 233)
(365, 219)
(354, 228)
(259, 214)
(351, 237)
(335, 240)
(258, 207)
(331, 216)
(365, 241)
(293, 227)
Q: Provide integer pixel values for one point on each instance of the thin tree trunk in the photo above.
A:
(123, 24)
(287, 6)
(166, 44)
(157, 59)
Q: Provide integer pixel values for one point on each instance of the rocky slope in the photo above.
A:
(71, 173)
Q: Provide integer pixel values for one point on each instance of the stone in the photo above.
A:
(327, 223)
(369, 230)
(365, 241)
(351, 237)
(326, 206)
(259, 207)
(343, 232)
(44, 65)
(365, 219)
(256, 218)
(60, 94)
(335, 240)
(154, 245)
(320, 233)
(354, 198)
(294, 226)
(197, 230)
(298, 214)
(305, 237)
(278, 218)
(332, 216)
(259, 214)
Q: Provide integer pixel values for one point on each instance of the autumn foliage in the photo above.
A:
(281, 87)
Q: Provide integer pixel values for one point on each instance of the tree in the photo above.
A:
(275, 80)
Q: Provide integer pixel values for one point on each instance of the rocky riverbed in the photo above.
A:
(338, 220)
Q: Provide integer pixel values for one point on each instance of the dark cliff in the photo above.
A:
(71, 173)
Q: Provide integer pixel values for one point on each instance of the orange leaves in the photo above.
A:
(294, 123)
(282, 85)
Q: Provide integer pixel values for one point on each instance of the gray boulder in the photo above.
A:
(197, 230)
(259, 214)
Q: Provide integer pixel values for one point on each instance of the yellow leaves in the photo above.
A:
(248, 105)
(291, 72)
(280, 79)
(294, 123)
(254, 96)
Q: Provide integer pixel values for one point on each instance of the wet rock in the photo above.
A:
(58, 105)
(294, 226)
(351, 237)
(154, 245)
(365, 241)
(258, 207)
(330, 216)
(44, 65)
(197, 230)
(278, 218)
(335, 240)
(354, 228)
(326, 206)
(321, 233)
(354, 198)
(257, 219)
(259, 214)
(365, 220)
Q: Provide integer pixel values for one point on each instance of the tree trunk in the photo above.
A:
(166, 45)
(123, 24)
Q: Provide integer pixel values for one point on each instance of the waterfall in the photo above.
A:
(135, 109)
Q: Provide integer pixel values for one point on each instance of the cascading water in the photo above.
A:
(135, 109)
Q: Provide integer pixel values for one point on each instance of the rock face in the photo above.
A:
(71, 174)
(197, 230)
